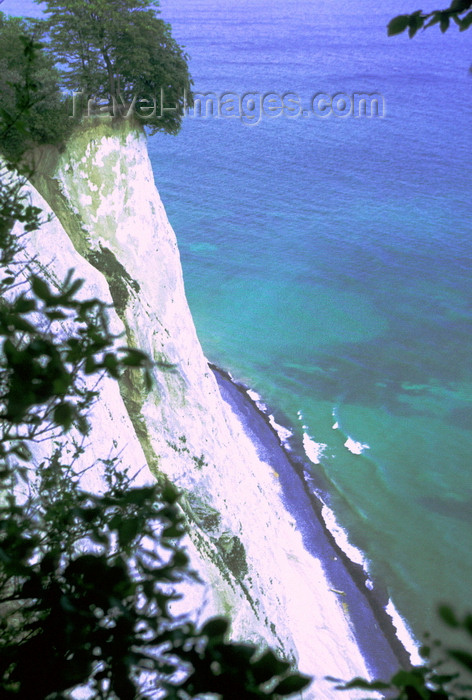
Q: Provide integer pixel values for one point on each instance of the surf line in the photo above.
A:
(373, 627)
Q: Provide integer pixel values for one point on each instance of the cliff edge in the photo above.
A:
(108, 222)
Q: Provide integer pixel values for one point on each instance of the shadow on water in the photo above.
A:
(449, 507)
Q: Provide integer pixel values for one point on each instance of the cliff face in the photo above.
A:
(110, 225)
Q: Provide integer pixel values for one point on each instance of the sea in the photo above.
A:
(326, 247)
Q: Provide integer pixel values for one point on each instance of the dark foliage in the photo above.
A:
(123, 60)
(33, 110)
(458, 12)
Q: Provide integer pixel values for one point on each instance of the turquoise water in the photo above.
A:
(327, 264)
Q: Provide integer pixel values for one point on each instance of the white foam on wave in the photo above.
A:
(357, 448)
(341, 538)
(404, 634)
(257, 398)
(283, 433)
(313, 450)
(300, 417)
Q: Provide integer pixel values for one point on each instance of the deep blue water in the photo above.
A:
(327, 264)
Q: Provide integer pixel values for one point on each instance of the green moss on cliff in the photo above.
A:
(202, 513)
(233, 554)
(119, 280)
(225, 551)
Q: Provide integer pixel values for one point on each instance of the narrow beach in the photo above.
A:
(372, 626)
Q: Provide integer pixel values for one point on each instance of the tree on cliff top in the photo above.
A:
(120, 52)
(32, 110)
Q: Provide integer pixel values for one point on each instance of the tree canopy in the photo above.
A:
(32, 111)
(121, 53)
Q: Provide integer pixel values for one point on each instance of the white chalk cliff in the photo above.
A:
(108, 222)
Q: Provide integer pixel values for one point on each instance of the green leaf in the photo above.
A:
(169, 493)
(134, 358)
(174, 531)
(180, 559)
(412, 679)
(22, 325)
(56, 315)
(398, 24)
(243, 653)
(23, 305)
(11, 353)
(459, 5)
(444, 22)
(416, 22)
(466, 22)
(64, 415)
(73, 287)
(268, 666)
(362, 684)
(434, 20)
(292, 684)
(41, 288)
(447, 615)
(445, 678)
(110, 362)
(141, 496)
(468, 624)
(148, 380)
(424, 651)
(463, 657)
(216, 628)
(128, 531)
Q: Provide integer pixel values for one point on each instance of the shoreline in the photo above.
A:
(365, 605)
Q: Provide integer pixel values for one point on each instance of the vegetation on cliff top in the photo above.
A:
(123, 56)
(32, 110)
(96, 59)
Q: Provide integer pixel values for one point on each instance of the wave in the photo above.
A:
(354, 446)
(405, 634)
(284, 433)
(256, 398)
(314, 451)
(342, 539)
(357, 448)
(402, 630)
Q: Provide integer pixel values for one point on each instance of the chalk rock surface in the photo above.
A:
(109, 224)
